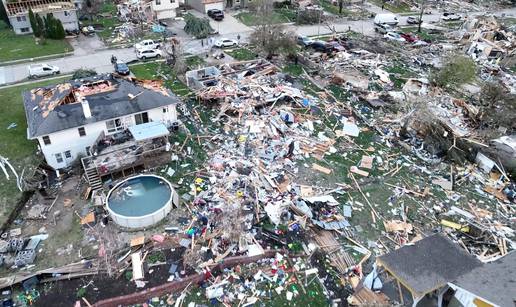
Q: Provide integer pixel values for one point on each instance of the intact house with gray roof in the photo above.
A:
(67, 119)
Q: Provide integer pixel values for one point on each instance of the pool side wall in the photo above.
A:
(144, 220)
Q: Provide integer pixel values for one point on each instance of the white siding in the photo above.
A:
(166, 9)
(69, 139)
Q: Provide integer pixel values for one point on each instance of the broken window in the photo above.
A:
(141, 118)
(88, 150)
(59, 158)
(46, 140)
(114, 125)
(82, 131)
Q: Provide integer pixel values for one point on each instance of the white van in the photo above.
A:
(389, 19)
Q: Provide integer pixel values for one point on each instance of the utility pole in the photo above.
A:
(420, 21)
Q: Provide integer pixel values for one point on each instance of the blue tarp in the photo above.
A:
(148, 131)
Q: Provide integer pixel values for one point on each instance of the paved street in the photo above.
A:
(230, 28)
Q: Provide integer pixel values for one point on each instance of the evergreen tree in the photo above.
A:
(41, 26)
(3, 14)
(34, 24)
(60, 31)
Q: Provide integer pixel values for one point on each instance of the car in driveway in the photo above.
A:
(147, 44)
(304, 41)
(394, 36)
(122, 69)
(383, 28)
(42, 70)
(216, 14)
(413, 20)
(451, 17)
(225, 42)
(148, 53)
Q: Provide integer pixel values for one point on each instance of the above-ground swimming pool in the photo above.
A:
(141, 201)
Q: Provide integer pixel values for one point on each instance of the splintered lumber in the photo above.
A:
(373, 211)
(358, 171)
(321, 169)
(329, 245)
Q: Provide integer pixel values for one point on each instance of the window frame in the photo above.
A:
(59, 156)
(116, 128)
(139, 118)
(67, 154)
(83, 129)
(46, 140)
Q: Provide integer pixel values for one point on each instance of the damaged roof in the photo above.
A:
(57, 107)
(494, 281)
(428, 264)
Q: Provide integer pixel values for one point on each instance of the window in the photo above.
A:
(158, 2)
(82, 131)
(46, 140)
(88, 151)
(68, 154)
(59, 158)
(66, 13)
(172, 1)
(141, 118)
(24, 30)
(165, 110)
(114, 125)
(21, 18)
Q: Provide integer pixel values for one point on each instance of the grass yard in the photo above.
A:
(158, 70)
(333, 9)
(401, 7)
(15, 146)
(241, 54)
(16, 47)
(283, 15)
(195, 62)
(425, 34)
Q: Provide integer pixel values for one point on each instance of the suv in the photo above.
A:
(383, 28)
(216, 14)
(146, 44)
(148, 53)
(451, 17)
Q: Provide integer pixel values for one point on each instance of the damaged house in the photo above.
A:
(69, 119)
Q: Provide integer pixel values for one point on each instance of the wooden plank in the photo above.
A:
(358, 171)
(137, 264)
(321, 169)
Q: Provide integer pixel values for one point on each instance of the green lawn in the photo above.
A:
(158, 70)
(283, 15)
(14, 143)
(241, 54)
(195, 62)
(16, 47)
(395, 8)
(333, 9)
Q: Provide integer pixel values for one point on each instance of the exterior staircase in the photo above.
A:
(93, 178)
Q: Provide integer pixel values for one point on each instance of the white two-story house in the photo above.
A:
(18, 13)
(160, 9)
(67, 119)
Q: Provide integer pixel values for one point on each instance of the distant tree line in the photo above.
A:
(46, 27)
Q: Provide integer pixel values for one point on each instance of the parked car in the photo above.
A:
(41, 70)
(320, 46)
(389, 19)
(304, 41)
(451, 17)
(413, 20)
(147, 44)
(216, 14)
(148, 53)
(335, 46)
(88, 30)
(394, 36)
(383, 28)
(225, 42)
(122, 69)
(409, 37)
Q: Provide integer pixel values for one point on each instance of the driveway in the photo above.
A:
(229, 25)
(83, 45)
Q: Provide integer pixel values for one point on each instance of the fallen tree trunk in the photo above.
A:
(176, 286)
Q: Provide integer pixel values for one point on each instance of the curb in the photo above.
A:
(29, 60)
